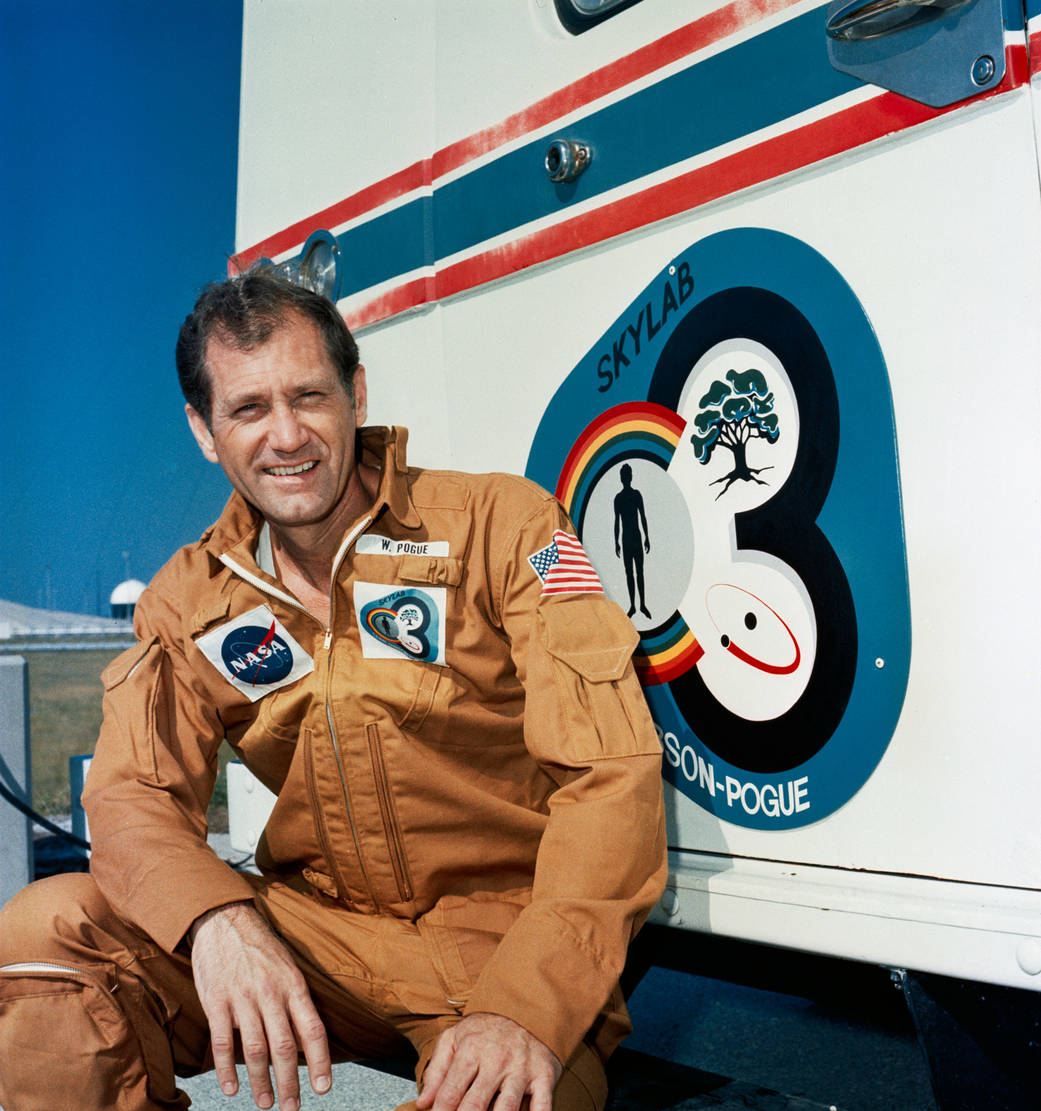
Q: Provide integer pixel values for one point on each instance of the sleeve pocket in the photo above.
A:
(124, 664)
(591, 635)
(132, 683)
(584, 700)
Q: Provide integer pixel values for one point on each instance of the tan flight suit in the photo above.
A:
(469, 812)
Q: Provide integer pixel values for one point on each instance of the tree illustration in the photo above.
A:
(729, 415)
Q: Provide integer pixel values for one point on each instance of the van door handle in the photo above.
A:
(869, 19)
(937, 52)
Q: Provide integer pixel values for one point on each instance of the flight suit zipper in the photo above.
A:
(88, 979)
(321, 826)
(321, 830)
(343, 549)
(346, 801)
(395, 842)
(267, 588)
(24, 967)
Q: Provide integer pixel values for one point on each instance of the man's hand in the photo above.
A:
(483, 1055)
(247, 981)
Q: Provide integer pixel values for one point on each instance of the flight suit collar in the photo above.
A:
(235, 532)
(384, 448)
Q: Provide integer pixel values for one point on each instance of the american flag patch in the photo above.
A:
(564, 567)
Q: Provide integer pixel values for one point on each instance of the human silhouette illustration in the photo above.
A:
(628, 517)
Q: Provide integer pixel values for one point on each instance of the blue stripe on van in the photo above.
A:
(760, 82)
(753, 85)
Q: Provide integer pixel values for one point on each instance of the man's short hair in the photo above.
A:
(243, 312)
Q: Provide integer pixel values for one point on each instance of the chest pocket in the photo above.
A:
(412, 685)
(444, 571)
(433, 570)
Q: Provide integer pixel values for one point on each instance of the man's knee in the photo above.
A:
(44, 919)
(583, 1084)
(77, 1011)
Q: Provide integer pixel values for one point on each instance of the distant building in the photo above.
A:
(23, 628)
(124, 599)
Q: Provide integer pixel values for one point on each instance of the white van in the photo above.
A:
(755, 287)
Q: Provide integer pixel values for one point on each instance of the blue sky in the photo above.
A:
(118, 147)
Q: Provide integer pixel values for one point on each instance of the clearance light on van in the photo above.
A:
(316, 268)
(579, 15)
(566, 159)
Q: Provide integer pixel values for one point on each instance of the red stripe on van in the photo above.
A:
(615, 75)
(372, 196)
(1035, 53)
(411, 295)
(884, 115)
(608, 79)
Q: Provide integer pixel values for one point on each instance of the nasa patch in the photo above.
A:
(401, 622)
(256, 653)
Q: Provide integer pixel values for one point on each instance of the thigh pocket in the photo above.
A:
(49, 990)
(60, 1026)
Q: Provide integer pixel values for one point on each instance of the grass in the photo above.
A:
(64, 719)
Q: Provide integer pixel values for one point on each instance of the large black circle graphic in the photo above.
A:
(785, 527)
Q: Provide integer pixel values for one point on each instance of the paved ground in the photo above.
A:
(354, 1087)
(856, 1055)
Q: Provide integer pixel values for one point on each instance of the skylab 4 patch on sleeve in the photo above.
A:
(398, 622)
(256, 653)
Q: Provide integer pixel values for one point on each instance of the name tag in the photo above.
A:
(370, 544)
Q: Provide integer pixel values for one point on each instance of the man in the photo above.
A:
(424, 669)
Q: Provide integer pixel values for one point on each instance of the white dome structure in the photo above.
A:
(127, 593)
(124, 598)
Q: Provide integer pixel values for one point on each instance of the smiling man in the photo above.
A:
(423, 667)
